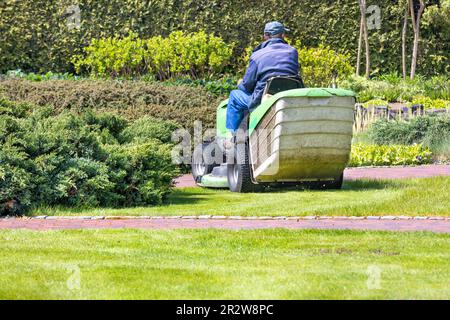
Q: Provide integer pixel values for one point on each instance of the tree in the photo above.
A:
(358, 57)
(416, 29)
(404, 34)
(364, 33)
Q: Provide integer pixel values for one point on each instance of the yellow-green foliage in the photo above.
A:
(319, 66)
(429, 103)
(195, 54)
(112, 56)
(376, 103)
(388, 155)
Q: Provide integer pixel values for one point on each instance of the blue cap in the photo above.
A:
(274, 28)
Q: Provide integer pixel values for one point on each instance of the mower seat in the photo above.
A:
(281, 83)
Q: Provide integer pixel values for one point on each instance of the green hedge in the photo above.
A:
(80, 159)
(130, 99)
(35, 35)
(430, 131)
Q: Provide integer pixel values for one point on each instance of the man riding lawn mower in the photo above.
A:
(274, 131)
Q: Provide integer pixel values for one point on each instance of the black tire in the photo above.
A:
(202, 162)
(333, 185)
(239, 173)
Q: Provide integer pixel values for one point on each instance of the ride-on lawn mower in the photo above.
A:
(296, 136)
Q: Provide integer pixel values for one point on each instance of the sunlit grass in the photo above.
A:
(223, 264)
(428, 196)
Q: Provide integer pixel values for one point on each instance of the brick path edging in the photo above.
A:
(374, 223)
(213, 217)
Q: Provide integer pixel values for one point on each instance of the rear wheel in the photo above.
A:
(336, 184)
(239, 172)
(332, 185)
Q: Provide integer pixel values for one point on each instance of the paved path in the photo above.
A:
(437, 224)
(366, 173)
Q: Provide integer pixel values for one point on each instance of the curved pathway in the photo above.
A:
(366, 173)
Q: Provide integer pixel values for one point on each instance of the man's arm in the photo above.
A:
(296, 61)
(248, 84)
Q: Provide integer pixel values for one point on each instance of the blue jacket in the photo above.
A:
(273, 57)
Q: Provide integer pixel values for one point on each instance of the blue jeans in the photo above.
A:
(237, 104)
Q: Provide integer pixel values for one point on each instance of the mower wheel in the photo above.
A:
(332, 185)
(336, 184)
(202, 161)
(239, 172)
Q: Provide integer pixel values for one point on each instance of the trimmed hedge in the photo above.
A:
(36, 36)
(80, 159)
(130, 99)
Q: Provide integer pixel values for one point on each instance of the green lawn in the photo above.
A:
(212, 264)
(391, 197)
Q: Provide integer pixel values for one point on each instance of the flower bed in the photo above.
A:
(388, 155)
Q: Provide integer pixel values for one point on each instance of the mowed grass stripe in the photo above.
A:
(220, 264)
(428, 196)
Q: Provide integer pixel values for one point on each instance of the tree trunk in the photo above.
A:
(358, 58)
(404, 31)
(416, 28)
(362, 5)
